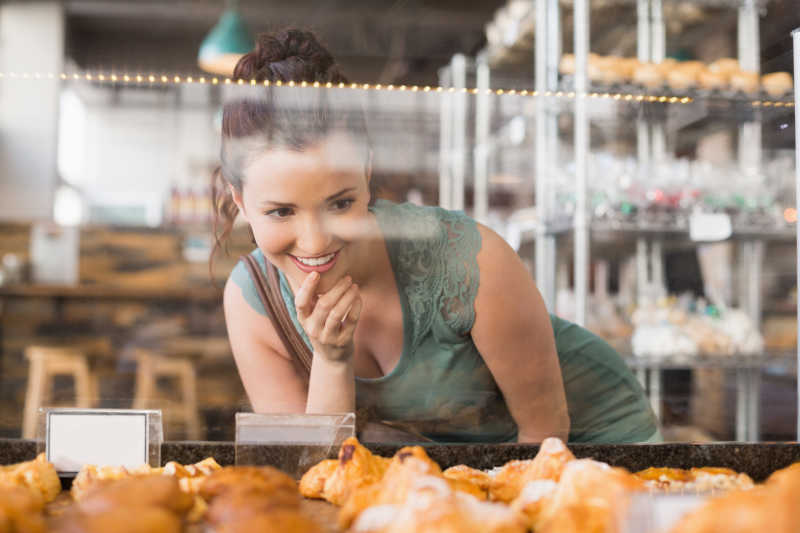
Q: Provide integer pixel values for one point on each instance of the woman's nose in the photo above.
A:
(313, 237)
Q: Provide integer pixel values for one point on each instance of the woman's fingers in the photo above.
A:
(350, 322)
(339, 313)
(315, 322)
(304, 299)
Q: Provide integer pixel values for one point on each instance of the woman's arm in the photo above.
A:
(268, 374)
(512, 331)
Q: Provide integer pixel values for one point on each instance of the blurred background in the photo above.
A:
(108, 139)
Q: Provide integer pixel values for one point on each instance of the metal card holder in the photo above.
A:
(291, 442)
(73, 437)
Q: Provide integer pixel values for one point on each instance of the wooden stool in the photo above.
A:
(151, 366)
(46, 362)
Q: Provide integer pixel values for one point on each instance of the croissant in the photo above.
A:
(547, 464)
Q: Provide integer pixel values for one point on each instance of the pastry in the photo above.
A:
(777, 84)
(407, 467)
(590, 497)
(432, 505)
(513, 476)
(695, 480)
(140, 491)
(680, 79)
(38, 475)
(725, 67)
(21, 510)
(746, 82)
(648, 75)
(189, 476)
(769, 507)
(268, 481)
(120, 519)
(356, 467)
(567, 64)
(712, 80)
(312, 484)
(478, 478)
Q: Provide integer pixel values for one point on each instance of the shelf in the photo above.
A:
(729, 99)
(786, 361)
(679, 230)
(104, 292)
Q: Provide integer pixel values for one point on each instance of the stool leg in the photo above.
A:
(144, 383)
(189, 393)
(33, 397)
(83, 393)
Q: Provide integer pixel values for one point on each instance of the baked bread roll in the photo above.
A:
(746, 82)
(683, 78)
(777, 84)
(648, 75)
(567, 65)
(710, 80)
(725, 66)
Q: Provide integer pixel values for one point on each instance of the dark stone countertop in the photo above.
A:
(756, 459)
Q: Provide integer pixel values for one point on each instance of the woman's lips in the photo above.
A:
(316, 268)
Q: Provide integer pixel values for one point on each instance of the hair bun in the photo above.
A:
(289, 55)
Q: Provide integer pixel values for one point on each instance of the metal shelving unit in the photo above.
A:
(651, 147)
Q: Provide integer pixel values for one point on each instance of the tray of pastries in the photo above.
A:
(362, 492)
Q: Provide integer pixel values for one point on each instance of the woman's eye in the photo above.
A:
(281, 212)
(342, 204)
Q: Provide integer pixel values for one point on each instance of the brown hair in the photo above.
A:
(267, 117)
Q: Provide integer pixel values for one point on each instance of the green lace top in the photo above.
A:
(441, 384)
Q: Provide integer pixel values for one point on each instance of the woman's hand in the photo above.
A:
(329, 319)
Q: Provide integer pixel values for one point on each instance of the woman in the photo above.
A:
(418, 313)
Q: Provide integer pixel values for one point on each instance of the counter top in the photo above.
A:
(758, 460)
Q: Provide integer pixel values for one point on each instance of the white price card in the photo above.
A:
(76, 437)
(710, 227)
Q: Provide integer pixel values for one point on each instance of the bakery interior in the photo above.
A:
(110, 128)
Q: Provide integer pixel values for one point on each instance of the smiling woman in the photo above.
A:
(417, 314)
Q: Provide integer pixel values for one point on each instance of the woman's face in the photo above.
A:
(308, 209)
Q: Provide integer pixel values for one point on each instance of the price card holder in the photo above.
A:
(710, 227)
(114, 437)
(293, 443)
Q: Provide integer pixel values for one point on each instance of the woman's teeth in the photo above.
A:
(316, 261)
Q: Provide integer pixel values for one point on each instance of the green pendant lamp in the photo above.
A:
(225, 44)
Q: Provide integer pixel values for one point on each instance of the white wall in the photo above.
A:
(31, 40)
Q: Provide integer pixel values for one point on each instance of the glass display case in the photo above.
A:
(650, 196)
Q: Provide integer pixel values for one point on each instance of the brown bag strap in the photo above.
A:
(269, 292)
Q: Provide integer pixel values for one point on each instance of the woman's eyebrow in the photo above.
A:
(328, 199)
(340, 193)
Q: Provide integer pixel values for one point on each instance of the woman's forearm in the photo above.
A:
(331, 386)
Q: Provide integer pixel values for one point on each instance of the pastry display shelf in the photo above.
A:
(774, 361)
(725, 100)
(758, 460)
(676, 230)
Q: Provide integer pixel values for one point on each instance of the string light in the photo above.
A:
(177, 80)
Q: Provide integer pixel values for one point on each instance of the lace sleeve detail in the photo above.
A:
(460, 274)
(437, 267)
